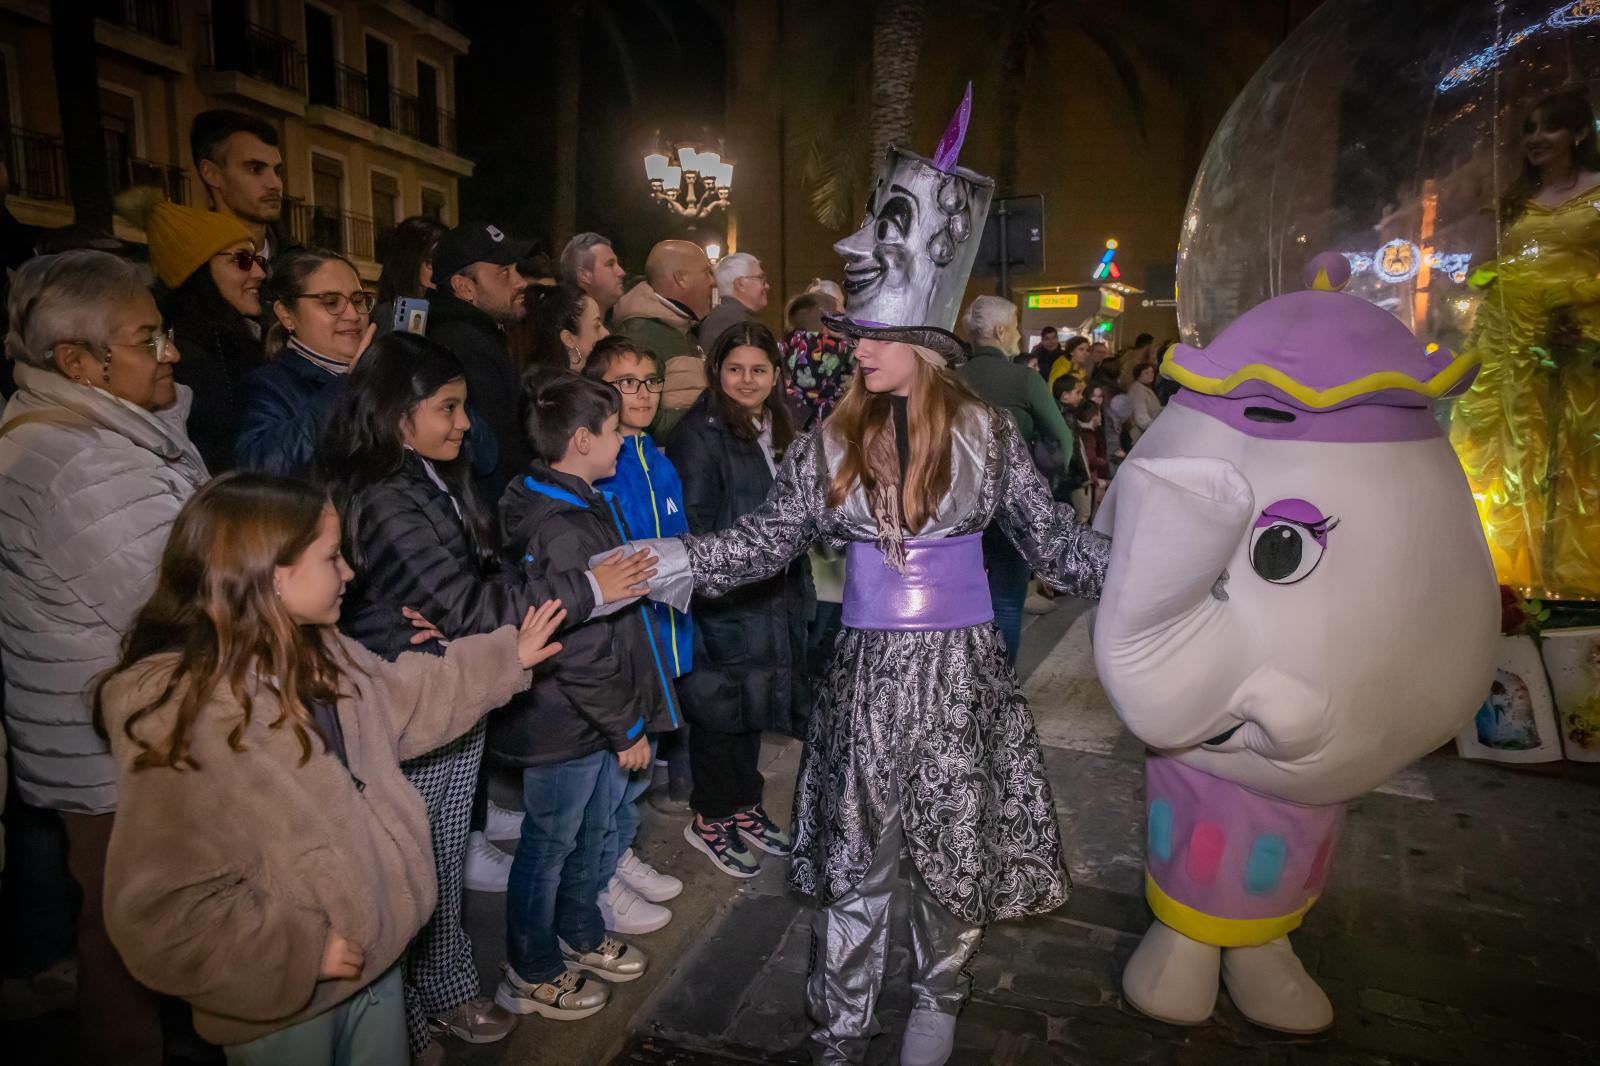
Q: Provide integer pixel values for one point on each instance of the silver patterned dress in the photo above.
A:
(932, 717)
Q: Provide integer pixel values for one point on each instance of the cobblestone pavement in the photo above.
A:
(1460, 926)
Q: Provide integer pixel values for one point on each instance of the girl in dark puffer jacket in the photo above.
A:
(422, 543)
(749, 671)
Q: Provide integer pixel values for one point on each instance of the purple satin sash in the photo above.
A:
(944, 586)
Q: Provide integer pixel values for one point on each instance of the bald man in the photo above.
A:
(661, 312)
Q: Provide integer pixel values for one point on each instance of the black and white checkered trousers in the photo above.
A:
(439, 971)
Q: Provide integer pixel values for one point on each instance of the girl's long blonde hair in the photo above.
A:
(936, 400)
(214, 605)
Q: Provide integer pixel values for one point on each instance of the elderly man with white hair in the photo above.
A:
(742, 285)
(1000, 381)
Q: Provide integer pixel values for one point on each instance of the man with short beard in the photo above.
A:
(241, 170)
(477, 291)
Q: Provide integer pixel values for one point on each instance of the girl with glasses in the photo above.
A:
(321, 327)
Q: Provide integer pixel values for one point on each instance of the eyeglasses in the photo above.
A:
(244, 260)
(630, 386)
(160, 346)
(335, 302)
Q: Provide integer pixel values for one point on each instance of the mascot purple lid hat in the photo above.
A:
(1319, 365)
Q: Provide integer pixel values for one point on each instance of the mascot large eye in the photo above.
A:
(1288, 541)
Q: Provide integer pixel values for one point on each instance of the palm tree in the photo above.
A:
(841, 105)
(570, 20)
(896, 41)
(72, 49)
(1161, 38)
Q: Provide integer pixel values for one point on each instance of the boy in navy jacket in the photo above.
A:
(584, 725)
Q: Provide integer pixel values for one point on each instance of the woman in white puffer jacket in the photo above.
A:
(94, 466)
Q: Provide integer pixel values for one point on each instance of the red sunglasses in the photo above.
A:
(245, 260)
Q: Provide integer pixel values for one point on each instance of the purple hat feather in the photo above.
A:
(944, 157)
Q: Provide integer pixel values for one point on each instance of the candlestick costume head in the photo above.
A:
(909, 262)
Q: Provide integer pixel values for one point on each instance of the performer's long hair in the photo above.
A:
(937, 397)
(214, 607)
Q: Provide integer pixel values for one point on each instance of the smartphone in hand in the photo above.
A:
(411, 315)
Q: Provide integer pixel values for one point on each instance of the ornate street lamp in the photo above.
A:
(699, 184)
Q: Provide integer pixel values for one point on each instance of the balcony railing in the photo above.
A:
(34, 163)
(153, 18)
(169, 179)
(260, 53)
(339, 231)
(431, 125)
(342, 87)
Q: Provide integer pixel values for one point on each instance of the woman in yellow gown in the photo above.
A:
(1528, 431)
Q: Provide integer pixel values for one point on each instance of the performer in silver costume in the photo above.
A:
(920, 743)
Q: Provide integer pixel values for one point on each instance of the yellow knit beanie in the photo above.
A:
(183, 238)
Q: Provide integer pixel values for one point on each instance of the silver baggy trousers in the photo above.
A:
(850, 945)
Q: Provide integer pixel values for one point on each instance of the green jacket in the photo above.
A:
(1020, 392)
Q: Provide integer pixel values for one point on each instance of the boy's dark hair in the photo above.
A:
(607, 350)
(1142, 339)
(557, 403)
(211, 129)
(1048, 331)
(1063, 385)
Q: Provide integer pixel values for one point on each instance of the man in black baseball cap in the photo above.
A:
(477, 290)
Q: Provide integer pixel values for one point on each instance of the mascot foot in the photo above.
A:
(1270, 986)
(1171, 977)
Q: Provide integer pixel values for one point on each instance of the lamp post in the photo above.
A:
(699, 184)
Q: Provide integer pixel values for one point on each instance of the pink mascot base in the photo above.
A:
(1299, 603)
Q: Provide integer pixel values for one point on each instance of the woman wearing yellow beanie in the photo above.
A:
(209, 264)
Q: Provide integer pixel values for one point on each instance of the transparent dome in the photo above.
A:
(1388, 132)
(1447, 149)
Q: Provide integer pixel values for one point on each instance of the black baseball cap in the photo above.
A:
(475, 242)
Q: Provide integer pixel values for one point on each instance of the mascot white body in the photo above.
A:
(1299, 603)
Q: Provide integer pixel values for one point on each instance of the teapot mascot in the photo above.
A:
(1299, 603)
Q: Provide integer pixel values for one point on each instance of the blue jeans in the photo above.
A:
(368, 1029)
(625, 825)
(1008, 586)
(555, 875)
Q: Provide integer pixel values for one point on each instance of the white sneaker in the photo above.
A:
(487, 867)
(646, 880)
(930, 1035)
(503, 824)
(625, 911)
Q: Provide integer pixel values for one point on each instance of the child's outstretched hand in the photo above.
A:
(425, 630)
(533, 639)
(636, 757)
(622, 577)
(340, 958)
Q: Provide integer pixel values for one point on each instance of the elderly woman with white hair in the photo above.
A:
(94, 466)
(991, 325)
(742, 291)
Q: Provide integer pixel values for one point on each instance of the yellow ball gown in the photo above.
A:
(1528, 431)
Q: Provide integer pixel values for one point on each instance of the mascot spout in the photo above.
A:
(1177, 524)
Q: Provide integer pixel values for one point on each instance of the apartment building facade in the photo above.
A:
(362, 93)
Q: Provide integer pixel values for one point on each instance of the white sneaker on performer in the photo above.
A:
(930, 1035)
(646, 880)
(487, 868)
(503, 823)
(625, 911)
